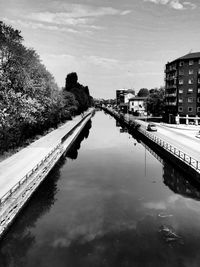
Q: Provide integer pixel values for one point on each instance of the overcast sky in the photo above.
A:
(111, 44)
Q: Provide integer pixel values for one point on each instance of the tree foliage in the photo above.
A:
(81, 93)
(143, 92)
(30, 100)
(155, 104)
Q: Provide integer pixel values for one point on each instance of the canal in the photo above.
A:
(109, 202)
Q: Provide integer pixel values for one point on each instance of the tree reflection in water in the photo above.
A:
(72, 153)
(18, 240)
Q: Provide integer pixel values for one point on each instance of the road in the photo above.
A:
(184, 140)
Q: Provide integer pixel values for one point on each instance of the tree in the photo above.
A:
(143, 92)
(156, 101)
(80, 92)
(30, 101)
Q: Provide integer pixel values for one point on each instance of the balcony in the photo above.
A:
(170, 95)
(172, 69)
(169, 86)
(172, 103)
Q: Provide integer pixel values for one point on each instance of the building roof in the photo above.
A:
(138, 98)
(187, 56)
(123, 104)
(191, 55)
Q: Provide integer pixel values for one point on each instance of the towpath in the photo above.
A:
(14, 168)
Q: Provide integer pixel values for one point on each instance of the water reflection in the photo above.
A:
(19, 240)
(72, 153)
(103, 211)
(179, 183)
(174, 178)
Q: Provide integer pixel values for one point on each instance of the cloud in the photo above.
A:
(175, 4)
(108, 63)
(80, 10)
(155, 205)
(57, 18)
(37, 25)
(75, 14)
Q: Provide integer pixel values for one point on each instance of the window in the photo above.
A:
(190, 99)
(181, 72)
(198, 80)
(198, 109)
(198, 90)
(198, 99)
(191, 71)
(180, 100)
(181, 81)
(180, 91)
(198, 71)
(180, 109)
(190, 81)
(190, 90)
(191, 62)
(181, 63)
(190, 109)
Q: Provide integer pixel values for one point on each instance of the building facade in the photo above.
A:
(137, 105)
(123, 95)
(182, 88)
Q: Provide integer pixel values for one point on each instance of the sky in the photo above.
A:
(110, 44)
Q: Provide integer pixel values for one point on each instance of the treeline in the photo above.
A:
(155, 100)
(30, 100)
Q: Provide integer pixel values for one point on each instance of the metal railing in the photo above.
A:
(194, 163)
(18, 185)
(29, 175)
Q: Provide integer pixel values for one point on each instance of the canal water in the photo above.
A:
(111, 201)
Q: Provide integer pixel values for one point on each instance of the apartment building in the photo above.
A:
(123, 95)
(182, 90)
(138, 105)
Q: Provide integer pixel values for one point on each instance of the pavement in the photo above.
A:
(14, 168)
(183, 137)
(182, 126)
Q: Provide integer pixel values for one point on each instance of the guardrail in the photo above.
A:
(18, 185)
(194, 163)
(29, 175)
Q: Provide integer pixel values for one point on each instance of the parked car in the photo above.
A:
(152, 127)
(198, 134)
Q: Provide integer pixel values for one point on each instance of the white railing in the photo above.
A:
(29, 175)
(194, 163)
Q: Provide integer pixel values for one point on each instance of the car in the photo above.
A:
(198, 134)
(152, 127)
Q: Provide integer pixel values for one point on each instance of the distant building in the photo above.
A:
(182, 88)
(137, 105)
(123, 95)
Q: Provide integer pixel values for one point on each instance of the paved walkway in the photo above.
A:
(14, 168)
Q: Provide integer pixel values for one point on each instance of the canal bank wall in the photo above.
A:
(185, 162)
(17, 188)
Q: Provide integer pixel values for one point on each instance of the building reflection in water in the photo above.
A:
(177, 181)
(19, 235)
